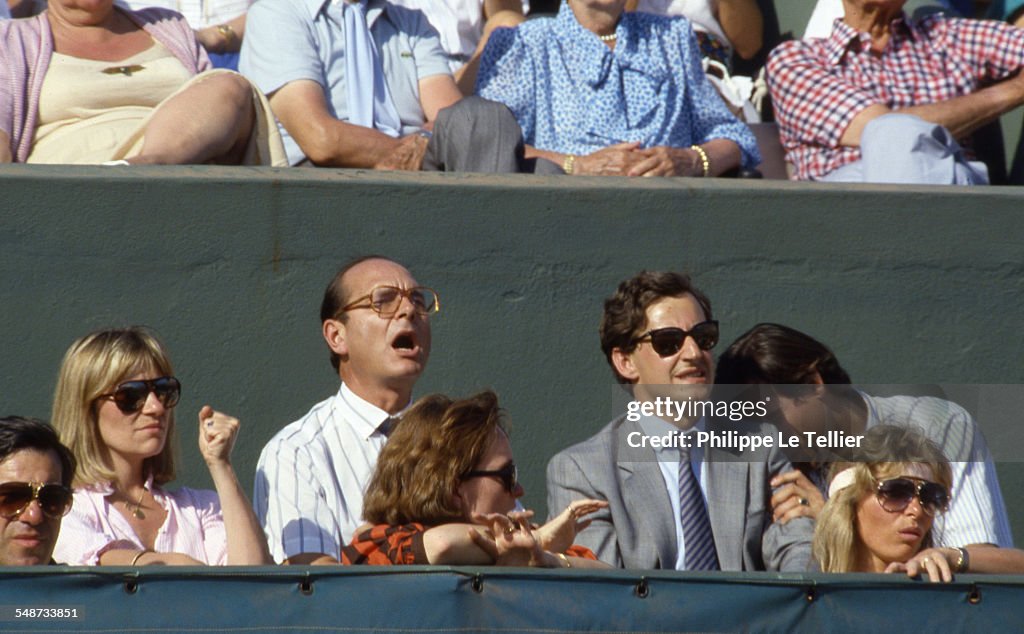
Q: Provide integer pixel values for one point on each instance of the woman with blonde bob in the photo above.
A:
(114, 408)
(444, 492)
(881, 509)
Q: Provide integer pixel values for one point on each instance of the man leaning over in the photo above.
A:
(682, 508)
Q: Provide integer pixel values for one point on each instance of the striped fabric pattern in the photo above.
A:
(699, 541)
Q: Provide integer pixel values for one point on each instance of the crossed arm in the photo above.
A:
(960, 115)
(302, 108)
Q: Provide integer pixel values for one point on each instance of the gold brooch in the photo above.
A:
(123, 70)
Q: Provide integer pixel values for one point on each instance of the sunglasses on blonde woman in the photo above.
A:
(130, 396)
(895, 495)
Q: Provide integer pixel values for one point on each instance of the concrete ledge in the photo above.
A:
(907, 284)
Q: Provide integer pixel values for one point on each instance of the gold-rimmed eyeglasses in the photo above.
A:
(386, 300)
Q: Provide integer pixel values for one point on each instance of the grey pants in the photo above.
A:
(479, 135)
(902, 148)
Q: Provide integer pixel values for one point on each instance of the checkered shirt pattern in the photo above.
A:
(820, 85)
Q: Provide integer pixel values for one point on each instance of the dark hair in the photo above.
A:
(778, 355)
(336, 297)
(434, 444)
(625, 312)
(18, 433)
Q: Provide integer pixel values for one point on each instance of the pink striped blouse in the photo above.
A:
(194, 526)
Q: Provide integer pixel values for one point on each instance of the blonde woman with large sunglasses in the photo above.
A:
(114, 408)
(881, 508)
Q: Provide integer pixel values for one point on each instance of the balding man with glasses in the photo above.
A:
(311, 476)
(35, 490)
(677, 505)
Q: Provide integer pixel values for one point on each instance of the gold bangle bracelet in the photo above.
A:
(569, 164)
(705, 163)
(565, 560)
(228, 33)
(138, 556)
(963, 561)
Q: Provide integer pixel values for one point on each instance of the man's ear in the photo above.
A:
(334, 334)
(623, 363)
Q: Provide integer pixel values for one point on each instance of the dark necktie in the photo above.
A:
(693, 515)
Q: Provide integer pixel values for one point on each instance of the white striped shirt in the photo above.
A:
(977, 514)
(311, 476)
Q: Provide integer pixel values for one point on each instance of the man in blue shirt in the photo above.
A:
(366, 84)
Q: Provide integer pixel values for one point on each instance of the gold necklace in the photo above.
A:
(137, 513)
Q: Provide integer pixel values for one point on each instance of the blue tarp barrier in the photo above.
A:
(415, 599)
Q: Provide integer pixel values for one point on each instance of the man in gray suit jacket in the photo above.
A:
(656, 332)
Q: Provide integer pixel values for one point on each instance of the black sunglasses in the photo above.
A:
(668, 341)
(895, 495)
(131, 396)
(54, 499)
(509, 475)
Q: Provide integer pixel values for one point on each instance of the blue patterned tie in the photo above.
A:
(693, 515)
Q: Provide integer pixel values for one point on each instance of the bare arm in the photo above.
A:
(743, 25)
(493, 7)
(437, 92)
(247, 545)
(302, 109)
(452, 544)
(215, 40)
(939, 563)
(310, 559)
(5, 148)
(960, 115)
(130, 557)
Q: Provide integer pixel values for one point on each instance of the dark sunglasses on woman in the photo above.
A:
(54, 499)
(895, 495)
(668, 341)
(130, 396)
(509, 475)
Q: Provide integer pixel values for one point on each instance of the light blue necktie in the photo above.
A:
(693, 515)
(369, 102)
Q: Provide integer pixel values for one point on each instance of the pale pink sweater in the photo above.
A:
(25, 50)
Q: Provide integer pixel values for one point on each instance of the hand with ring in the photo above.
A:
(513, 543)
(937, 563)
(795, 496)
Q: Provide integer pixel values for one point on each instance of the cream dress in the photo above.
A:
(95, 111)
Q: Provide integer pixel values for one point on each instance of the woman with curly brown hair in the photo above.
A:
(445, 490)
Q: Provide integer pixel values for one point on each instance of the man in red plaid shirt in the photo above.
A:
(886, 99)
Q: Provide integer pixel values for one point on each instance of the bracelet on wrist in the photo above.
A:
(565, 560)
(963, 561)
(705, 163)
(569, 164)
(138, 556)
(227, 33)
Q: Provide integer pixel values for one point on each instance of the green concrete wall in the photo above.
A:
(908, 285)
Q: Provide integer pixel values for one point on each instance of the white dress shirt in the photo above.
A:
(312, 475)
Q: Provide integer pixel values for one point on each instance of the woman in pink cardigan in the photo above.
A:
(88, 82)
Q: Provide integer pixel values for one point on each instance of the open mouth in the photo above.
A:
(404, 341)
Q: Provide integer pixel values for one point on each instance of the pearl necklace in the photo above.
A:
(611, 37)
